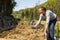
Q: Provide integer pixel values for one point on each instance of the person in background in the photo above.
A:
(51, 19)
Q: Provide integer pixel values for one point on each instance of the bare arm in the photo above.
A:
(39, 21)
(47, 24)
(47, 21)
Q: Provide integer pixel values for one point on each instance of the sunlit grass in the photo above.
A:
(57, 29)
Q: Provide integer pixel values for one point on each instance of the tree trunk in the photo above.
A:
(7, 21)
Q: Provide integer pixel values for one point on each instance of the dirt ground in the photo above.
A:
(23, 31)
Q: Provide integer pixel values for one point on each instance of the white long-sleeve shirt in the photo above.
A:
(49, 16)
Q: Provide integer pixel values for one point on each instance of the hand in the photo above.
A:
(45, 34)
(34, 25)
(46, 30)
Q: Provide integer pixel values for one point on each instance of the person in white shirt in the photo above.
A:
(51, 19)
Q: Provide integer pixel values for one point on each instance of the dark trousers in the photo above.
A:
(50, 31)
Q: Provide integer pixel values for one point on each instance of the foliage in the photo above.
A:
(32, 13)
(57, 30)
(6, 7)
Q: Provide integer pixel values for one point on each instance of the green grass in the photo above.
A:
(57, 30)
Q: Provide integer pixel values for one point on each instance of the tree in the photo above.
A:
(6, 7)
(7, 21)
